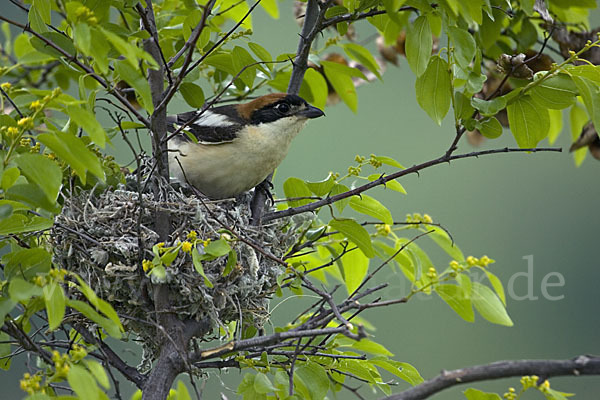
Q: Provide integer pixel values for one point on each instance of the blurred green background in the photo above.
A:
(508, 206)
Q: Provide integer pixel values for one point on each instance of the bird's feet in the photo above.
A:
(265, 187)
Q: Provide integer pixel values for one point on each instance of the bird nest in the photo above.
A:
(104, 237)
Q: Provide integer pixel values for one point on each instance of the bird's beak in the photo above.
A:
(311, 112)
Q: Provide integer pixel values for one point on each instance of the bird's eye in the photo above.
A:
(283, 108)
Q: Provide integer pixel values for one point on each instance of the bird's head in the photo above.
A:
(276, 106)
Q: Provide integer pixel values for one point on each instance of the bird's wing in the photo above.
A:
(208, 127)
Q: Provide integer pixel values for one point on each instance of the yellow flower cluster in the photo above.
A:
(78, 353)
(36, 105)
(510, 395)
(417, 218)
(61, 364)
(25, 123)
(84, 14)
(31, 383)
(529, 381)
(481, 262)
(147, 265)
(58, 274)
(354, 171)
(383, 229)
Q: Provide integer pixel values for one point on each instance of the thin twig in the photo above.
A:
(414, 169)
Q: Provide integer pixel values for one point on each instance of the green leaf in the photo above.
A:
(131, 53)
(388, 161)
(368, 205)
(262, 384)
(88, 122)
(334, 11)
(222, 62)
(497, 285)
(137, 81)
(54, 298)
(231, 262)
(434, 89)
(169, 256)
(5, 347)
(39, 15)
(418, 45)
(100, 304)
(33, 196)
(9, 177)
(489, 107)
(99, 51)
(556, 125)
(356, 234)
(217, 248)
(362, 56)
(577, 120)
(26, 263)
(355, 266)
(83, 38)
(321, 188)
(317, 85)
(314, 378)
(72, 150)
(260, 52)
(590, 93)
(270, 7)
(182, 391)
(402, 370)
(443, 240)
(393, 184)
(464, 45)
(6, 306)
(295, 188)
(368, 346)
(489, 306)
(529, 122)
(196, 260)
(340, 77)
(112, 328)
(41, 171)
(98, 372)
(242, 59)
(83, 383)
(490, 128)
(556, 93)
(339, 188)
(402, 259)
(21, 291)
(455, 297)
(475, 394)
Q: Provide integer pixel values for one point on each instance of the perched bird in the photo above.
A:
(238, 145)
(588, 137)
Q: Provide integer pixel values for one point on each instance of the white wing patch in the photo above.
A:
(209, 118)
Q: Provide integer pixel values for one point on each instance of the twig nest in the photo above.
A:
(105, 237)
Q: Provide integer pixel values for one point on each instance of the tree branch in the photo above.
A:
(313, 18)
(582, 365)
(278, 337)
(127, 371)
(355, 17)
(382, 180)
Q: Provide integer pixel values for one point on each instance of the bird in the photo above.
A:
(228, 150)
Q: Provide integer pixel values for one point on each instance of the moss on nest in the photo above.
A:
(104, 237)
